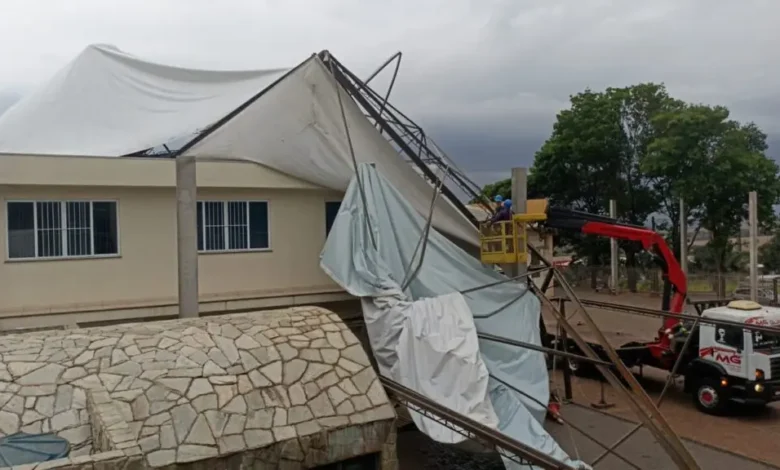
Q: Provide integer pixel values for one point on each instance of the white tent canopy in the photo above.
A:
(108, 103)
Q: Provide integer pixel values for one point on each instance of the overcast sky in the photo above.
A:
(485, 77)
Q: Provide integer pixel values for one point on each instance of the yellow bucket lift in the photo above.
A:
(507, 242)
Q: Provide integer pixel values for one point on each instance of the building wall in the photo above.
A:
(144, 274)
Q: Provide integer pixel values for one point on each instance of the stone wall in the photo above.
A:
(287, 389)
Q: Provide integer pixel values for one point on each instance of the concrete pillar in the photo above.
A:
(683, 238)
(519, 203)
(753, 220)
(613, 251)
(187, 236)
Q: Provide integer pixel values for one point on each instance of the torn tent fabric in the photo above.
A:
(425, 337)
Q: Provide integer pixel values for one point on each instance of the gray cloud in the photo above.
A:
(485, 76)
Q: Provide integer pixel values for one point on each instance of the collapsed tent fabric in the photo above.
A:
(296, 127)
(108, 103)
(437, 335)
(369, 252)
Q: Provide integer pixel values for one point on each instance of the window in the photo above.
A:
(730, 336)
(61, 229)
(232, 226)
(331, 211)
(763, 340)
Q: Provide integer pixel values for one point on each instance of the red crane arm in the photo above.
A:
(591, 224)
(651, 241)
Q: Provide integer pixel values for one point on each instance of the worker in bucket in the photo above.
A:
(498, 200)
(503, 213)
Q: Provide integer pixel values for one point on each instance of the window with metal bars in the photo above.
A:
(233, 226)
(61, 229)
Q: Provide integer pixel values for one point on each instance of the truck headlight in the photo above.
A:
(759, 388)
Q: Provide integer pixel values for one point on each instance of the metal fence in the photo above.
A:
(648, 280)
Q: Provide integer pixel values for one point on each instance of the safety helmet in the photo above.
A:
(508, 203)
(498, 198)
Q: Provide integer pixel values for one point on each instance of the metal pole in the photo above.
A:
(660, 400)
(683, 238)
(649, 414)
(643, 406)
(613, 251)
(422, 404)
(519, 206)
(753, 219)
(564, 340)
(187, 235)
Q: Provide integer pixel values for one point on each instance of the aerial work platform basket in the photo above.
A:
(499, 243)
(506, 242)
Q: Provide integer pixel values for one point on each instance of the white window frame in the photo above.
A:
(226, 225)
(63, 217)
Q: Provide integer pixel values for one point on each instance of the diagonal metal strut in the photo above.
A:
(639, 401)
(509, 447)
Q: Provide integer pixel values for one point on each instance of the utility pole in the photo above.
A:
(683, 238)
(613, 251)
(753, 220)
(187, 235)
(520, 205)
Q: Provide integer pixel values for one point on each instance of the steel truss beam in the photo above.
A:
(636, 396)
(649, 312)
(406, 135)
(467, 427)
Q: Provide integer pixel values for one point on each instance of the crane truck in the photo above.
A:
(723, 364)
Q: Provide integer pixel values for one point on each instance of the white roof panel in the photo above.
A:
(108, 103)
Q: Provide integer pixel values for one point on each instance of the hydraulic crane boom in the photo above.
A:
(590, 224)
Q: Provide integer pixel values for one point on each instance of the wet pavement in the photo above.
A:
(418, 452)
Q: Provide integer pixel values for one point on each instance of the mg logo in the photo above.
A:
(722, 355)
(726, 358)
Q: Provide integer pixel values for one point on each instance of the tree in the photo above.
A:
(646, 150)
(595, 154)
(501, 188)
(712, 163)
(769, 255)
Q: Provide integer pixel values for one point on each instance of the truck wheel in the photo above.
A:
(709, 397)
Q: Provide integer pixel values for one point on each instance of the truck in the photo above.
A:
(723, 362)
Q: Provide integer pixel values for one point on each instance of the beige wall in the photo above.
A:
(144, 273)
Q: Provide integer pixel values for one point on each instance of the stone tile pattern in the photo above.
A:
(291, 388)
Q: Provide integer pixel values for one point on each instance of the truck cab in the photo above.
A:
(735, 365)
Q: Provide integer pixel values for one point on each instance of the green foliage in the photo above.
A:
(645, 149)
(710, 258)
(595, 153)
(501, 188)
(712, 163)
(769, 255)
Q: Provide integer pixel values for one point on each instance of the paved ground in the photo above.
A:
(750, 433)
(640, 449)
(417, 452)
